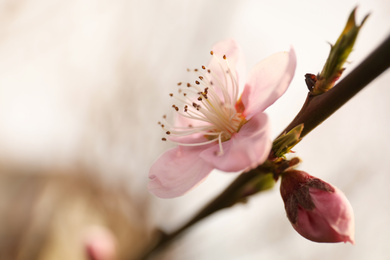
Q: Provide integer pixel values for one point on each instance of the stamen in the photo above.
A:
(202, 102)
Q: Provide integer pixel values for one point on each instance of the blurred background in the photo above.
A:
(83, 84)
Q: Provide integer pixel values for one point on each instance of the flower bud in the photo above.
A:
(286, 141)
(317, 210)
(99, 243)
(338, 55)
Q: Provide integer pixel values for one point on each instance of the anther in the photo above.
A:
(163, 139)
(200, 77)
(200, 98)
(188, 85)
(195, 70)
(211, 52)
(203, 67)
(197, 82)
(171, 94)
(224, 57)
(164, 116)
(179, 83)
(168, 133)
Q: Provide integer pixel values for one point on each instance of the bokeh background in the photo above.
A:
(83, 83)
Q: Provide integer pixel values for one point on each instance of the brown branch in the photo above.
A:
(226, 199)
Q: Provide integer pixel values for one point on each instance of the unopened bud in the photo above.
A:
(284, 143)
(99, 244)
(317, 210)
(338, 55)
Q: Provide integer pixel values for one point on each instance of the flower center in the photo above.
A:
(207, 108)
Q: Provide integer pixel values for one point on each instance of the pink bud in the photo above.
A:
(99, 243)
(317, 210)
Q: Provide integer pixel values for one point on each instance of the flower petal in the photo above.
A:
(267, 81)
(338, 211)
(246, 149)
(235, 60)
(180, 122)
(177, 171)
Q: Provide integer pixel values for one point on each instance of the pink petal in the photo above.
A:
(181, 121)
(338, 212)
(268, 80)
(246, 149)
(235, 60)
(313, 226)
(177, 171)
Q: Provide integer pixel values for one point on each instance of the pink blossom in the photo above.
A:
(99, 244)
(216, 127)
(317, 210)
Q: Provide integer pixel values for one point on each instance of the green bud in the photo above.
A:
(284, 143)
(338, 55)
(262, 182)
